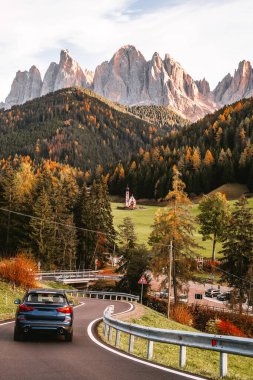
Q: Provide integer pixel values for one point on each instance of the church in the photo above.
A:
(130, 202)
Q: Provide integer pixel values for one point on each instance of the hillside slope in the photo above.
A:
(74, 126)
(216, 150)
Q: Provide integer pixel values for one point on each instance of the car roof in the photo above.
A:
(53, 291)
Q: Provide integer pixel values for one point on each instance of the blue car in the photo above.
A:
(44, 311)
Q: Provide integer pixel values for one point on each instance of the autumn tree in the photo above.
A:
(213, 218)
(173, 229)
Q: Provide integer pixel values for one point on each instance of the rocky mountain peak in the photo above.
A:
(25, 86)
(233, 88)
(67, 73)
(203, 86)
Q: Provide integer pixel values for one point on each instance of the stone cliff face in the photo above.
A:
(231, 89)
(67, 73)
(26, 86)
(123, 78)
(131, 80)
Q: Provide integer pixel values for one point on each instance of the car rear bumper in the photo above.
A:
(28, 327)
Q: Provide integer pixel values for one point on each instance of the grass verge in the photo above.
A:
(8, 294)
(201, 362)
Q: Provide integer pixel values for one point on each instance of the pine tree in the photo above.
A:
(43, 231)
(237, 249)
(213, 218)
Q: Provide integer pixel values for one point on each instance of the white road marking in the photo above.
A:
(6, 323)
(128, 310)
(149, 364)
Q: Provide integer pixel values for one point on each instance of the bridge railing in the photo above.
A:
(221, 343)
(67, 273)
(103, 295)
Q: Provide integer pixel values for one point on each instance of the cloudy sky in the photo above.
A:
(208, 37)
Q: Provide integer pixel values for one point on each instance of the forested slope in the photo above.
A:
(74, 126)
(217, 149)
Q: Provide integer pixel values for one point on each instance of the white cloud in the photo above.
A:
(208, 38)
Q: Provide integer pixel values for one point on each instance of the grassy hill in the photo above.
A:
(232, 190)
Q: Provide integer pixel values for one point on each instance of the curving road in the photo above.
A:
(53, 359)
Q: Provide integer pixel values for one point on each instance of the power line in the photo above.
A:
(58, 223)
(218, 268)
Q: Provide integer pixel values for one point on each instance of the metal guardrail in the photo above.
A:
(87, 278)
(71, 277)
(221, 343)
(103, 295)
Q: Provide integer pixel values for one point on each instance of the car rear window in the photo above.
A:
(46, 298)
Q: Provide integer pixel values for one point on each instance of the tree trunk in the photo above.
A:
(214, 246)
(169, 278)
(174, 277)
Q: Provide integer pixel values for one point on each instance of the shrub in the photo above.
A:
(181, 314)
(202, 316)
(157, 304)
(228, 328)
(212, 326)
(20, 271)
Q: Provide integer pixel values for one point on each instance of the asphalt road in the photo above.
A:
(54, 359)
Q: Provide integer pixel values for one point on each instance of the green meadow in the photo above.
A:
(143, 219)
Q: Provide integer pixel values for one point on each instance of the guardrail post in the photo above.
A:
(117, 339)
(150, 349)
(96, 295)
(110, 297)
(131, 343)
(182, 356)
(110, 333)
(223, 364)
(105, 330)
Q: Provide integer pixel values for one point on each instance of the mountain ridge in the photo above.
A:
(128, 78)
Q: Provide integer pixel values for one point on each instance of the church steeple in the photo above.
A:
(127, 196)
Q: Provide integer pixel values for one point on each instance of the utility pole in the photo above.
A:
(169, 277)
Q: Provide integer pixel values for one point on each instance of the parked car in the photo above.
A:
(224, 296)
(164, 293)
(183, 298)
(212, 293)
(44, 311)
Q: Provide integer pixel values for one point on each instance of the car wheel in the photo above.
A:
(17, 336)
(69, 337)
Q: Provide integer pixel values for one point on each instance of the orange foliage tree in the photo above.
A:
(19, 271)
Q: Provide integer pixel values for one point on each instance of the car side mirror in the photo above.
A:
(17, 302)
(71, 303)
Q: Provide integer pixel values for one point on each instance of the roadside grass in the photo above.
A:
(201, 362)
(143, 219)
(8, 294)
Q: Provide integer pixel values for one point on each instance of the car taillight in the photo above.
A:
(24, 308)
(65, 310)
